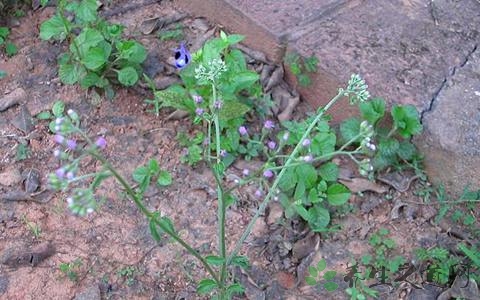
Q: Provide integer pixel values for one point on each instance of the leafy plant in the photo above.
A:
(193, 151)
(58, 110)
(71, 269)
(128, 273)
(383, 260)
(314, 272)
(393, 145)
(175, 34)
(98, 55)
(9, 47)
(301, 67)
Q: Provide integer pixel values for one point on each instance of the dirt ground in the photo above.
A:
(115, 254)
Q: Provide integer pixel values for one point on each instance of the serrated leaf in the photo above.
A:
(320, 218)
(92, 79)
(175, 96)
(132, 51)
(328, 171)
(406, 150)
(86, 11)
(241, 261)
(127, 76)
(58, 108)
(388, 147)
(164, 178)
(373, 110)
(206, 286)
(96, 57)
(68, 73)
(406, 120)
(53, 27)
(313, 271)
(307, 174)
(44, 115)
(329, 275)
(88, 38)
(232, 110)
(321, 265)
(331, 286)
(349, 129)
(215, 260)
(288, 180)
(310, 280)
(235, 288)
(337, 194)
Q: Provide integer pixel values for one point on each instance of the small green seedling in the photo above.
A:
(71, 269)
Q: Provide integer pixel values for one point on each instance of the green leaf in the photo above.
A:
(167, 223)
(337, 194)
(320, 218)
(132, 51)
(44, 115)
(288, 180)
(85, 40)
(215, 260)
(92, 79)
(349, 129)
(243, 80)
(233, 289)
(127, 76)
(321, 265)
(233, 110)
(307, 174)
(4, 32)
(241, 261)
(299, 191)
(58, 108)
(234, 39)
(373, 110)
(153, 229)
(140, 174)
(305, 214)
(96, 57)
(311, 64)
(313, 271)
(310, 280)
(406, 150)
(206, 286)
(10, 49)
(87, 10)
(328, 171)
(175, 96)
(304, 79)
(54, 28)
(329, 275)
(406, 120)
(3, 74)
(388, 147)
(313, 196)
(164, 178)
(323, 143)
(68, 73)
(331, 286)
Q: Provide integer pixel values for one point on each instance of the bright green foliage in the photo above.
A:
(328, 276)
(193, 150)
(394, 147)
(440, 264)
(71, 269)
(9, 47)
(98, 55)
(383, 247)
(301, 67)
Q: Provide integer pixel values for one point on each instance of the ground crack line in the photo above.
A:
(444, 82)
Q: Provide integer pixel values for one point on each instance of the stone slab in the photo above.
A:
(451, 137)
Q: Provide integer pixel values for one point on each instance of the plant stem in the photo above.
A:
(149, 214)
(274, 186)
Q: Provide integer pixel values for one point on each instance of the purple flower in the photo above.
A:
(60, 172)
(223, 153)
(59, 139)
(258, 193)
(182, 57)
(197, 99)
(101, 143)
(246, 172)
(271, 145)
(306, 142)
(268, 174)
(199, 111)
(269, 124)
(71, 144)
(242, 130)
(218, 104)
(70, 175)
(308, 158)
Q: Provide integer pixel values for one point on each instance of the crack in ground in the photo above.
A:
(444, 82)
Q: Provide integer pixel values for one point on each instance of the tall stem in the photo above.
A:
(290, 160)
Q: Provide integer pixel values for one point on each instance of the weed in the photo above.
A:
(32, 226)
(98, 55)
(58, 110)
(301, 67)
(128, 273)
(9, 47)
(22, 152)
(71, 269)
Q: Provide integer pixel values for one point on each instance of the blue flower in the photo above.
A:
(182, 57)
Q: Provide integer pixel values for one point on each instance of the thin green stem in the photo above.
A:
(274, 186)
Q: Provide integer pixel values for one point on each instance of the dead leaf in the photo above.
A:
(31, 179)
(463, 288)
(275, 78)
(23, 120)
(398, 180)
(358, 184)
(13, 98)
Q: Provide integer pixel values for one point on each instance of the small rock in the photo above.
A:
(10, 177)
(90, 293)
(15, 97)
(275, 212)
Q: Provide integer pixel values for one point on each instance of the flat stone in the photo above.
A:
(451, 137)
